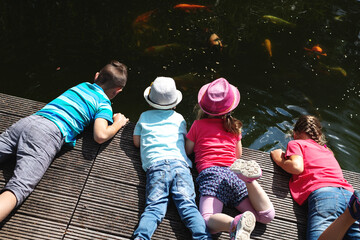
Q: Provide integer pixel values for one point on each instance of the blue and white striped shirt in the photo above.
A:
(76, 108)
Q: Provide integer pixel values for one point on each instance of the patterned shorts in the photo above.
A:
(223, 184)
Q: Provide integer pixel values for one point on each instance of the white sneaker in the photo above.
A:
(247, 171)
(244, 227)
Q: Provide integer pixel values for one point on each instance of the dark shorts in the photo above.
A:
(35, 141)
(223, 184)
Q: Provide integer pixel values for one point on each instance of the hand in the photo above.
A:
(276, 154)
(120, 118)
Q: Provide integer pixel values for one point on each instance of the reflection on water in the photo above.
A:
(286, 57)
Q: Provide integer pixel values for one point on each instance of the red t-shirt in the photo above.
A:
(321, 169)
(213, 145)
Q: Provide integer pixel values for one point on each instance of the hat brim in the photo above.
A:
(236, 100)
(162, 107)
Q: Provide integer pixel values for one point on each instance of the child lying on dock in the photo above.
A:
(36, 139)
(317, 178)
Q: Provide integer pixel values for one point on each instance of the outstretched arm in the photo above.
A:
(294, 164)
(103, 131)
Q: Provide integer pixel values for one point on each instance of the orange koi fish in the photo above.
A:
(144, 18)
(267, 45)
(190, 7)
(317, 50)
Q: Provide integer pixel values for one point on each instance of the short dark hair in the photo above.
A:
(112, 75)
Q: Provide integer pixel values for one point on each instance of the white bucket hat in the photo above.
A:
(162, 93)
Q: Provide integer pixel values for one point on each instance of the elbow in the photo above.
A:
(100, 139)
(297, 170)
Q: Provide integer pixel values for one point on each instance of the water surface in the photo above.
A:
(48, 46)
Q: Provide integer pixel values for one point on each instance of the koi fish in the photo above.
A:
(339, 70)
(277, 20)
(140, 24)
(335, 69)
(145, 17)
(317, 50)
(190, 7)
(267, 45)
(161, 48)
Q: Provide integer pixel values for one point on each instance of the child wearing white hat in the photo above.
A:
(160, 134)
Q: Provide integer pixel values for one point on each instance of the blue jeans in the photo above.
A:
(325, 205)
(162, 178)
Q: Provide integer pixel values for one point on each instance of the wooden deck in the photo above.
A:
(97, 191)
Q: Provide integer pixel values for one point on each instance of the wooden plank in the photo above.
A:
(18, 106)
(76, 233)
(21, 226)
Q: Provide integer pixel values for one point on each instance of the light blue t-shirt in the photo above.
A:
(162, 136)
(76, 108)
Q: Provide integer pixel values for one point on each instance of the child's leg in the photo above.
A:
(341, 225)
(265, 216)
(239, 227)
(183, 194)
(249, 171)
(338, 228)
(324, 206)
(258, 197)
(37, 146)
(7, 204)
(10, 137)
(210, 209)
(157, 194)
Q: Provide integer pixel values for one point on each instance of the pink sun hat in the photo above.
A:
(218, 97)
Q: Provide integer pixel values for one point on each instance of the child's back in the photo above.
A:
(162, 136)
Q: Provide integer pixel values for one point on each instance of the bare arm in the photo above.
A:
(136, 139)
(103, 131)
(189, 146)
(294, 164)
(238, 150)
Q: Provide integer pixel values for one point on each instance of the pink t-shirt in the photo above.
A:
(321, 169)
(213, 145)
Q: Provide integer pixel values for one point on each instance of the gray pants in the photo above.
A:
(34, 141)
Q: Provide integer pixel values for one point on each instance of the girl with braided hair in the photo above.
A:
(317, 178)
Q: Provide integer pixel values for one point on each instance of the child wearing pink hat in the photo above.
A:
(224, 178)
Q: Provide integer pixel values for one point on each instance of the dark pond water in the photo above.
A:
(48, 46)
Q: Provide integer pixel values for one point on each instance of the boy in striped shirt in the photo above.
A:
(36, 139)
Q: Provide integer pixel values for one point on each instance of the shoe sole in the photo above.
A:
(249, 169)
(245, 226)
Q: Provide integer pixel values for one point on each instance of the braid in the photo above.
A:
(311, 126)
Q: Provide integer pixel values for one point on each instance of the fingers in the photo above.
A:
(120, 117)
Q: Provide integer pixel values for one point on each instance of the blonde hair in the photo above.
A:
(230, 124)
(311, 126)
